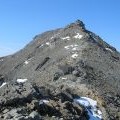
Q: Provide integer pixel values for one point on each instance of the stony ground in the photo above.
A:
(28, 102)
(57, 66)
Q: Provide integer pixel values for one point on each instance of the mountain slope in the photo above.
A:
(69, 58)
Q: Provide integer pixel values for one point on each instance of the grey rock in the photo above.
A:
(5, 111)
(8, 116)
(57, 75)
(95, 69)
(16, 94)
(35, 115)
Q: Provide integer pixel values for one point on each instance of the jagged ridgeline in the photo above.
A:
(43, 80)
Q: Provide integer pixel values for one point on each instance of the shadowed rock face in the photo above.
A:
(71, 58)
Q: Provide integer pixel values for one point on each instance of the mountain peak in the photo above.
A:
(53, 72)
(78, 23)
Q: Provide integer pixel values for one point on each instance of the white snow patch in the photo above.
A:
(26, 62)
(41, 45)
(94, 115)
(66, 47)
(55, 35)
(82, 102)
(78, 36)
(73, 47)
(74, 55)
(92, 102)
(52, 37)
(3, 84)
(21, 80)
(47, 43)
(108, 49)
(43, 101)
(91, 107)
(76, 45)
(64, 78)
(66, 38)
(1, 60)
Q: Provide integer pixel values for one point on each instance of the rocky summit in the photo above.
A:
(65, 74)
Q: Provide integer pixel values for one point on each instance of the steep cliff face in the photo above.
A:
(70, 57)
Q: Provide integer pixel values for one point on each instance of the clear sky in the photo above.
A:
(21, 20)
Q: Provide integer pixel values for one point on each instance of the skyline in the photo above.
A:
(22, 20)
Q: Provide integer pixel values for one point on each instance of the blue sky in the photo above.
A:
(21, 20)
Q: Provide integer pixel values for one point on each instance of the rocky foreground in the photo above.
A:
(42, 80)
(29, 102)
